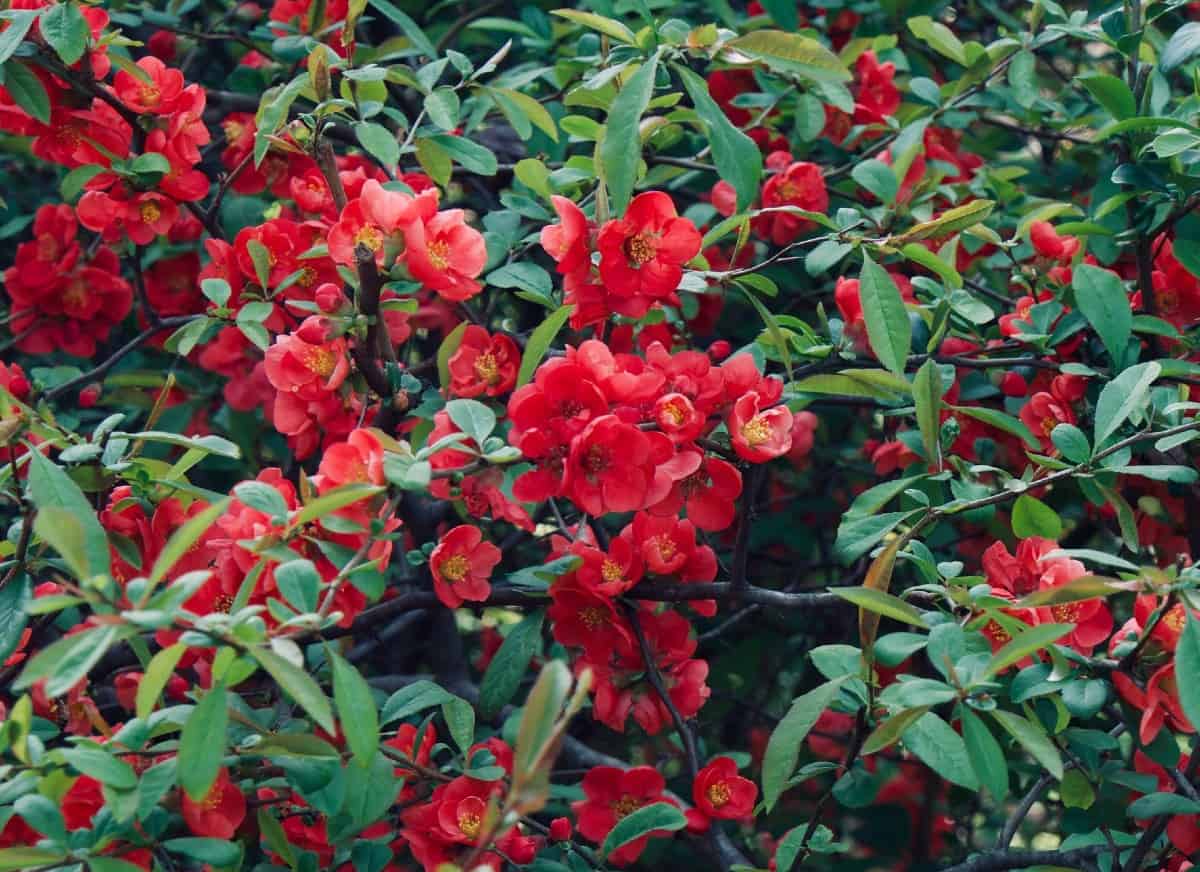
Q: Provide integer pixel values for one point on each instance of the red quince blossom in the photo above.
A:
(759, 434)
(642, 255)
(708, 495)
(484, 364)
(615, 467)
(612, 794)
(446, 254)
(219, 814)
(156, 91)
(1042, 414)
(719, 792)
(461, 565)
(1048, 243)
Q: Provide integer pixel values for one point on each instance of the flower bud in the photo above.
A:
(89, 396)
(560, 829)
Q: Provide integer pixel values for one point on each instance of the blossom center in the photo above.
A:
(455, 568)
(486, 368)
(756, 430)
(469, 823)
(592, 617)
(1067, 613)
(611, 571)
(596, 460)
(320, 361)
(718, 793)
(439, 254)
(625, 806)
(640, 249)
(666, 546)
(370, 237)
(149, 212)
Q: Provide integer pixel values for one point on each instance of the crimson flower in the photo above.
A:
(445, 254)
(219, 813)
(615, 467)
(759, 435)
(612, 794)
(483, 364)
(642, 254)
(719, 792)
(461, 564)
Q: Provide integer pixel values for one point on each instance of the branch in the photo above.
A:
(995, 861)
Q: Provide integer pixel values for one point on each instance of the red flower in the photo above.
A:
(357, 460)
(612, 794)
(461, 565)
(615, 467)
(581, 618)
(876, 96)
(1049, 244)
(642, 254)
(1092, 619)
(708, 495)
(484, 364)
(157, 91)
(1042, 414)
(798, 184)
(758, 435)
(446, 255)
(306, 362)
(567, 241)
(221, 811)
(720, 792)
(81, 802)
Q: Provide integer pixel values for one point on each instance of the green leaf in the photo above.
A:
(524, 275)
(539, 343)
(460, 718)
(508, 666)
(881, 603)
(65, 661)
(1187, 666)
(334, 500)
(654, 818)
(356, 709)
(941, 749)
(468, 154)
(1101, 298)
(1075, 790)
(878, 178)
(1001, 421)
(1021, 646)
(212, 852)
(184, 538)
(985, 754)
(416, 697)
(608, 26)
(541, 711)
(514, 103)
(1121, 397)
(442, 106)
(22, 858)
(620, 150)
(926, 258)
(27, 90)
(1086, 587)
(1022, 78)
(51, 488)
(927, 392)
(379, 142)
(261, 496)
(938, 37)
(783, 748)
(1033, 739)
(786, 15)
(888, 327)
(158, 673)
(298, 685)
(1155, 804)
(102, 766)
(875, 383)
(434, 160)
(1072, 442)
(19, 22)
(202, 744)
(792, 53)
(949, 222)
(299, 583)
(1183, 45)
(65, 31)
(890, 731)
(1112, 93)
(473, 418)
(408, 27)
(738, 159)
(1032, 517)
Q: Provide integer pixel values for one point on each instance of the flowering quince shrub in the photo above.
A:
(495, 436)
